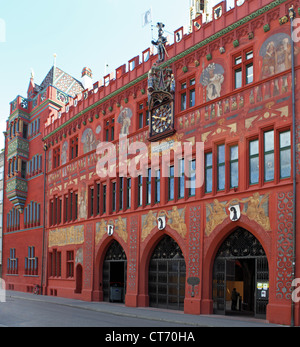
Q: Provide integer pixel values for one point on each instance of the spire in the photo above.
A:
(54, 59)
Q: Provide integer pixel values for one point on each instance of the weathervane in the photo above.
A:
(160, 43)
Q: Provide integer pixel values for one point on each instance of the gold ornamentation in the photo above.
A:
(253, 208)
(177, 222)
(149, 224)
(67, 236)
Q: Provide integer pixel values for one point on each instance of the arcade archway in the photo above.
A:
(241, 263)
(114, 274)
(167, 274)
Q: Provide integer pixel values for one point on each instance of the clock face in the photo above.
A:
(162, 119)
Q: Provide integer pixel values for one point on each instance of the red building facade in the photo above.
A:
(150, 236)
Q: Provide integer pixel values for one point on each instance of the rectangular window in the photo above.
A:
(192, 93)
(269, 155)
(104, 198)
(128, 192)
(91, 201)
(74, 148)
(221, 167)
(181, 179)
(140, 190)
(234, 167)
(31, 262)
(143, 114)
(56, 157)
(208, 172)
(98, 199)
(171, 185)
(76, 206)
(157, 186)
(66, 209)
(55, 263)
(254, 161)
(109, 129)
(285, 154)
(238, 78)
(12, 262)
(183, 97)
(71, 206)
(249, 73)
(70, 264)
(187, 94)
(243, 69)
(121, 190)
(114, 196)
(148, 188)
(192, 177)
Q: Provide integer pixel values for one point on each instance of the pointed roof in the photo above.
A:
(62, 81)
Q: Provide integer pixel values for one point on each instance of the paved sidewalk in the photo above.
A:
(167, 316)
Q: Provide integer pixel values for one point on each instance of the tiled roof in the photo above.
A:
(62, 81)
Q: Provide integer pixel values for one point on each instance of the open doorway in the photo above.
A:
(241, 276)
(115, 274)
(240, 286)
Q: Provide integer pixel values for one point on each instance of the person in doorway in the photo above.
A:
(234, 299)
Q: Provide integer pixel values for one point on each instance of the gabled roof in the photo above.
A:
(62, 81)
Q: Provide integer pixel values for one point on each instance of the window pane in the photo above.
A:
(221, 177)
(254, 147)
(208, 159)
(249, 74)
(208, 181)
(238, 78)
(269, 167)
(285, 139)
(183, 101)
(249, 55)
(254, 170)
(269, 141)
(234, 175)
(238, 60)
(192, 98)
(285, 163)
(221, 154)
(234, 153)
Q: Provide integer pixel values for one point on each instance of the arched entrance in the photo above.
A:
(241, 263)
(167, 273)
(114, 274)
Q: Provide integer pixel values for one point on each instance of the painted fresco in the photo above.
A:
(212, 79)
(64, 153)
(89, 141)
(276, 54)
(125, 120)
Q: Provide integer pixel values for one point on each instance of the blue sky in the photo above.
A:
(81, 32)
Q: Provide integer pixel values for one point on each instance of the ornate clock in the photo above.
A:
(162, 121)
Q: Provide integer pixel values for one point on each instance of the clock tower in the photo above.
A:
(161, 91)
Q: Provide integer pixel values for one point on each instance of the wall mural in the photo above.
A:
(82, 201)
(212, 79)
(120, 229)
(124, 119)
(64, 153)
(73, 235)
(89, 141)
(176, 220)
(276, 54)
(255, 207)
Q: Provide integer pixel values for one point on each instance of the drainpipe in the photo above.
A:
(44, 218)
(292, 15)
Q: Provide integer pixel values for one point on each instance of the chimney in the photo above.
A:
(87, 78)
